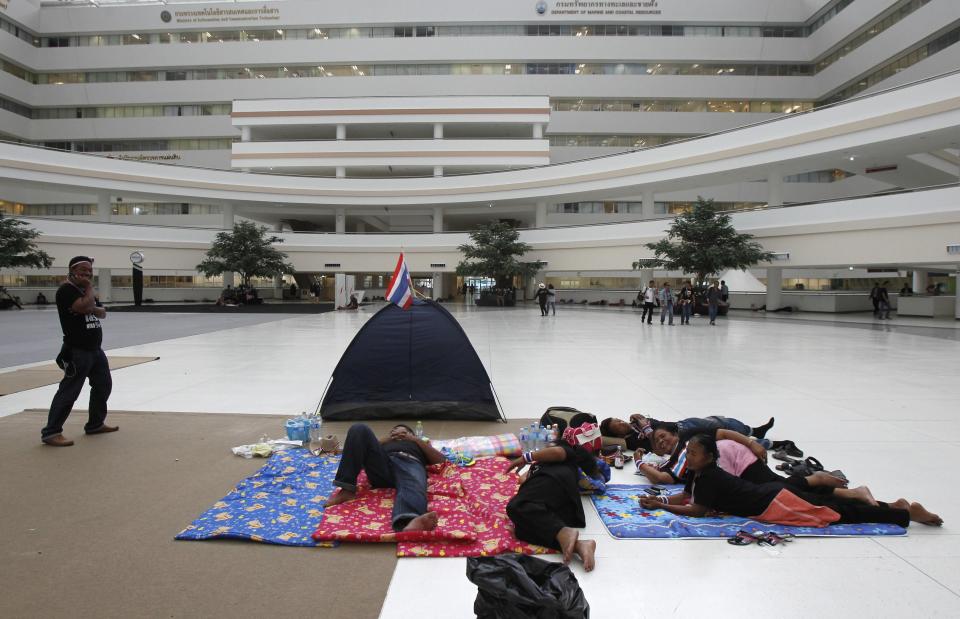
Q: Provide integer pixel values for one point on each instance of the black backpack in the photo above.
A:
(566, 416)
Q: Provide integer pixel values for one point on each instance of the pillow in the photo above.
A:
(507, 445)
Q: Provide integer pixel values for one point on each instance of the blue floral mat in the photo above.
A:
(282, 503)
(619, 509)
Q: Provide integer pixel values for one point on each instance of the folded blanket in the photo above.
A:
(282, 503)
(620, 511)
(470, 502)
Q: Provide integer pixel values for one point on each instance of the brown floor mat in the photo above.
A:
(49, 374)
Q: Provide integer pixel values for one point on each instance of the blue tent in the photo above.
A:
(410, 364)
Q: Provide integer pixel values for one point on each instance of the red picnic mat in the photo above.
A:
(471, 504)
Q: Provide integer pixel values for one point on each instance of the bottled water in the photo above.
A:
(418, 431)
(316, 427)
(524, 439)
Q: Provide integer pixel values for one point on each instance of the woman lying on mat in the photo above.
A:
(709, 488)
(547, 506)
(638, 432)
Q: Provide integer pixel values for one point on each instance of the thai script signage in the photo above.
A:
(218, 15)
(601, 7)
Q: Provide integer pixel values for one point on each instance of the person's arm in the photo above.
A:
(653, 474)
(99, 311)
(430, 453)
(85, 304)
(690, 509)
(546, 455)
(753, 446)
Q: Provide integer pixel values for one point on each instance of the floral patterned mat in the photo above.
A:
(282, 503)
(620, 511)
(470, 502)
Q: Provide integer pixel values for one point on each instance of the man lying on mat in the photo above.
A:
(397, 461)
(638, 432)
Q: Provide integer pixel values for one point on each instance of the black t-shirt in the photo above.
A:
(637, 441)
(79, 330)
(408, 447)
(717, 489)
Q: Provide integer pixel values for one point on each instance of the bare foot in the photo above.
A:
(901, 504)
(341, 496)
(861, 494)
(918, 513)
(823, 478)
(424, 522)
(586, 550)
(568, 542)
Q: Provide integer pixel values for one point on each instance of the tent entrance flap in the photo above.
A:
(415, 363)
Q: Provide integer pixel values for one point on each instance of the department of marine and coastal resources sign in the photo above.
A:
(599, 7)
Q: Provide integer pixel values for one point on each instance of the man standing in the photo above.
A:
(649, 298)
(713, 302)
(666, 303)
(81, 356)
(724, 291)
(883, 302)
(398, 461)
(685, 299)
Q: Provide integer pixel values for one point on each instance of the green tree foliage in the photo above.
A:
(702, 241)
(496, 252)
(246, 250)
(17, 249)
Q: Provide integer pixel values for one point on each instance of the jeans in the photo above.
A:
(685, 310)
(883, 309)
(552, 305)
(647, 313)
(82, 365)
(712, 310)
(666, 309)
(698, 425)
(362, 450)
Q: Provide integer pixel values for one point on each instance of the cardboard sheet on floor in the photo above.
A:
(282, 503)
(620, 511)
(470, 502)
(49, 374)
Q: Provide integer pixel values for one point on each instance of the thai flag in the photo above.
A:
(400, 290)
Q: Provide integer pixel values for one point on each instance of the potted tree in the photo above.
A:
(704, 242)
(495, 252)
(246, 250)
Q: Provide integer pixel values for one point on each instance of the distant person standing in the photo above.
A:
(551, 299)
(713, 302)
(649, 298)
(542, 299)
(666, 303)
(724, 291)
(875, 299)
(80, 356)
(685, 299)
(883, 302)
(293, 290)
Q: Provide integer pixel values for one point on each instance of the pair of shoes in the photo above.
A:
(713, 323)
(57, 440)
(787, 448)
(103, 429)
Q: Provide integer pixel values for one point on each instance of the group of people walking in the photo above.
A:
(684, 300)
(547, 299)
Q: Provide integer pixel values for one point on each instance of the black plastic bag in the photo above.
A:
(515, 586)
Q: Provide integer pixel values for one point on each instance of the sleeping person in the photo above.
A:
(711, 489)
(637, 433)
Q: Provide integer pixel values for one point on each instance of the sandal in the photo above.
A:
(773, 538)
(742, 538)
(781, 454)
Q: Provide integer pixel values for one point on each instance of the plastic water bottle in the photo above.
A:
(524, 439)
(554, 433)
(316, 425)
(418, 431)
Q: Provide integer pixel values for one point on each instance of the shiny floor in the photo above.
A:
(881, 404)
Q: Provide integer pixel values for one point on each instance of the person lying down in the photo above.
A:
(710, 489)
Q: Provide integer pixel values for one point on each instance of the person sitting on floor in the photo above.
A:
(638, 432)
(711, 489)
(398, 461)
(547, 508)
(351, 305)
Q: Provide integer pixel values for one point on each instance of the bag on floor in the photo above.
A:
(515, 586)
(565, 416)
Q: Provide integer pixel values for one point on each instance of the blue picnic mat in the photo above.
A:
(282, 503)
(620, 511)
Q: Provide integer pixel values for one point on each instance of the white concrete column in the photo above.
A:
(227, 212)
(648, 206)
(438, 170)
(341, 172)
(774, 188)
(774, 285)
(531, 288)
(244, 134)
(437, 131)
(341, 222)
(956, 304)
(437, 221)
(437, 286)
(541, 217)
(341, 132)
(919, 283)
(104, 285)
(538, 132)
(278, 279)
(104, 208)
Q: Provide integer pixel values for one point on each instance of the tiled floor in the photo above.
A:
(879, 404)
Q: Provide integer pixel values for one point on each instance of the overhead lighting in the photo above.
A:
(852, 157)
(136, 36)
(256, 40)
(316, 31)
(354, 67)
(696, 66)
(851, 268)
(361, 72)
(285, 69)
(507, 66)
(279, 31)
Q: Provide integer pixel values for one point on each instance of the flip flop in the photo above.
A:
(781, 454)
(742, 538)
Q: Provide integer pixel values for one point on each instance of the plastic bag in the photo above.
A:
(515, 586)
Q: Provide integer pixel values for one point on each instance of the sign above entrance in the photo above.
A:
(219, 15)
(599, 8)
